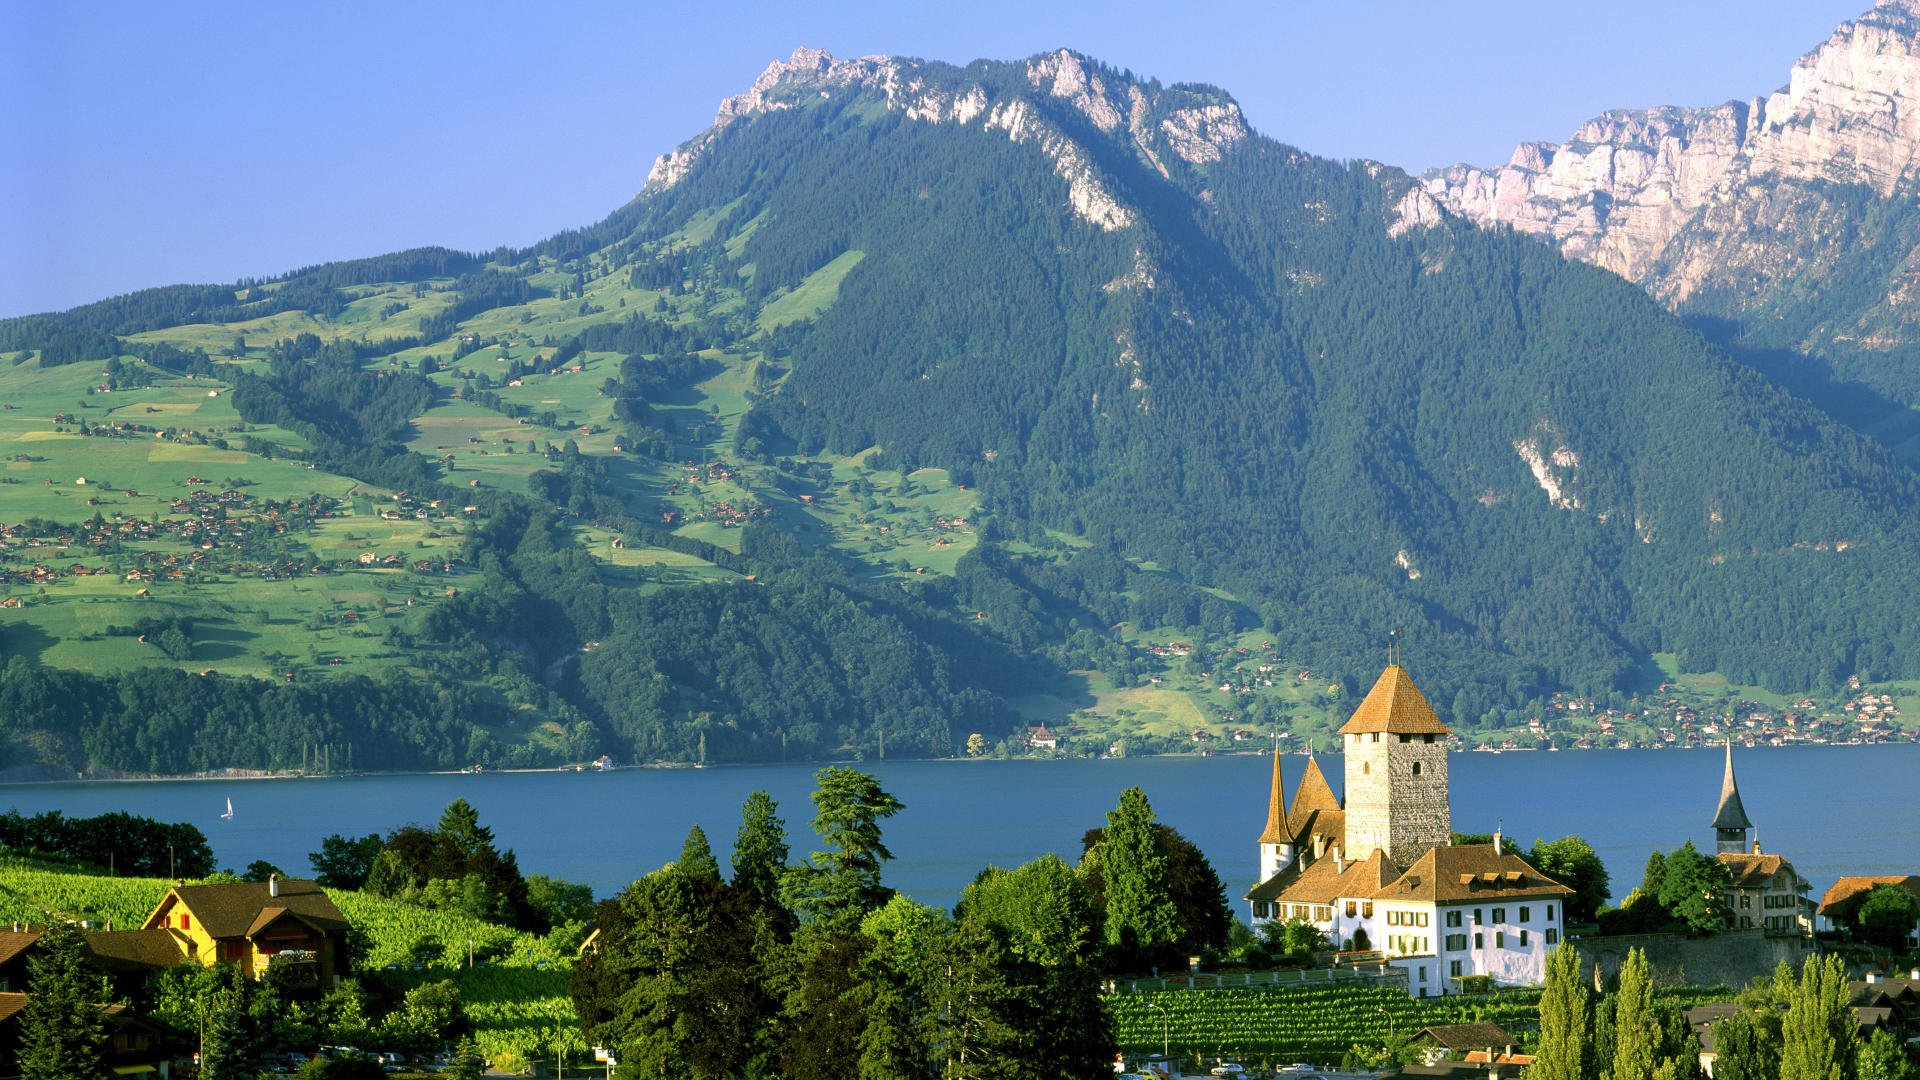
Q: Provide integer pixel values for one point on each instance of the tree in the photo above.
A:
(1636, 1030)
(1690, 889)
(1199, 899)
(1746, 1046)
(63, 1035)
(461, 829)
(1566, 1044)
(844, 880)
(760, 848)
(559, 902)
(1572, 862)
(1141, 919)
(344, 862)
(1883, 1058)
(1295, 938)
(1887, 916)
(260, 870)
(696, 855)
(1818, 1034)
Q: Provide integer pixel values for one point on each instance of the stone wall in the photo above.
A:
(1730, 958)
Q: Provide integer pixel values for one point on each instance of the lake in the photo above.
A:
(1830, 810)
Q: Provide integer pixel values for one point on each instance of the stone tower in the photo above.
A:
(1396, 758)
(1730, 824)
(1276, 843)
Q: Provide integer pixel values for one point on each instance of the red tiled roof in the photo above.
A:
(1394, 705)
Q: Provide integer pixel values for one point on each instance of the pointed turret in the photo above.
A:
(1394, 705)
(1277, 831)
(1314, 793)
(1730, 824)
(1276, 842)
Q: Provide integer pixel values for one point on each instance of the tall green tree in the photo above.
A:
(1882, 1057)
(1572, 862)
(1819, 1033)
(63, 1035)
(460, 827)
(1691, 887)
(1141, 920)
(1745, 1047)
(696, 855)
(760, 848)
(1566, 1037)
(1636, 1030)
(843, 881)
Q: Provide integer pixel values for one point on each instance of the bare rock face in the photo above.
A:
(1715, 207)
(1191, 125)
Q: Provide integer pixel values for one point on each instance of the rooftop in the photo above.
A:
(1394, 705)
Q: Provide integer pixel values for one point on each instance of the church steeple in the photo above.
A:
(1730, 824)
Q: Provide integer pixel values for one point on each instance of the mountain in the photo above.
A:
(1781, 222)
(909, 402)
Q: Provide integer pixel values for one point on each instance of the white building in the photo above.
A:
(1380, 872)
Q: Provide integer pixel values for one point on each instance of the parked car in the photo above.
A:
(1229, 1068)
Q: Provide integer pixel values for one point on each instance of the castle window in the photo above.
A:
(1476, 916)
(1523, 939)
(1453, 918)
(1454, 969)
(1416, 768)
(1549, 912)
(1526, 913)
(1366, 909)
(1499, 940)
(1456, 941)
(1428, 739)
(1552, 935)
(1420, 918)
(1353, 908)
(1499, 914)
(1406, 738)
(1376, 736)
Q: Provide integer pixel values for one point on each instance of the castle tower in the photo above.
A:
(1276, 843)
(1730, 824)
(1396, 760)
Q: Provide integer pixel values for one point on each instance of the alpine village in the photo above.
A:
(942, 458)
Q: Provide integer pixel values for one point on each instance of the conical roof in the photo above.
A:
(1395, 705)
(1277, 831)
(1313, 792)
(1731, 815)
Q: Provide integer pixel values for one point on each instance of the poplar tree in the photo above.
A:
(1566, 1046)
(1636, 1031)
(1819, 1033)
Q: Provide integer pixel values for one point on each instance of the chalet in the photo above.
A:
(1480, 1044)
(134, 1043)
(1039, 738)
(253, 924)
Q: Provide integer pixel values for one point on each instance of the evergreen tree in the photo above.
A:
(1141, 919)
(1819, 1032)
(696, 857)
(844, 880)
(63, 1035)
(1636, 1031)
(760, 848)
(460, 827)
(1566, 1042)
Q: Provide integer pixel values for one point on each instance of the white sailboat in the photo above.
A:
(228, 816)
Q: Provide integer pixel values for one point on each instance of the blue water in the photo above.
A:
(1830, 810)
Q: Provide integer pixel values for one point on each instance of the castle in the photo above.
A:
(1381, 871)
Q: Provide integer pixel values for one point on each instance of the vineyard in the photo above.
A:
(515, 990)
(1317, 1024)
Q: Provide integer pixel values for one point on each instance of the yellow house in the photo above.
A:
(253, 924)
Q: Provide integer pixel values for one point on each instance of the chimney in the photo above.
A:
(1872, 977)
(273, 884)
(1496, 839)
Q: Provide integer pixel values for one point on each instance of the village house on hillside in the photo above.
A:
(1381, 871)
(292, 925)
(253, 924)
(1840, 907)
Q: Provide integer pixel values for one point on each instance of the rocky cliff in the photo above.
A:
(1792, 209)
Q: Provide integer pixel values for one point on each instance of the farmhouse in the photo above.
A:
(1381, 871)
(290, 924)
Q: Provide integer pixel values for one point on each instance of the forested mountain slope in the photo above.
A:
(896, 397)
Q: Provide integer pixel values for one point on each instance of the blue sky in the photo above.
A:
(149, 144)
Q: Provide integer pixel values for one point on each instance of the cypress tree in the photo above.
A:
(1141, 918)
